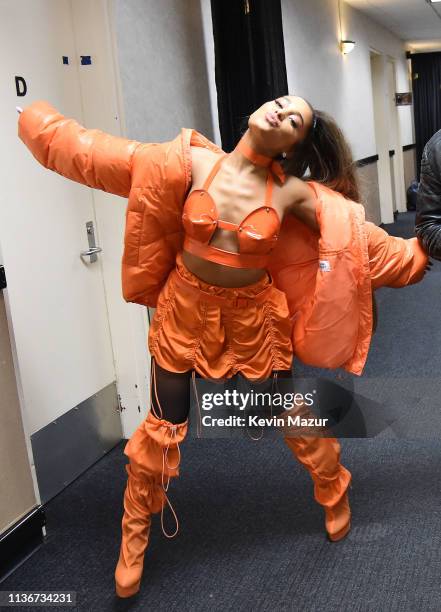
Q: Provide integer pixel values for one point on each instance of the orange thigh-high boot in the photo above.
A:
(154, 458)
(321, 457)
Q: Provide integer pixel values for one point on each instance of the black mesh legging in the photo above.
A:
(173, 390)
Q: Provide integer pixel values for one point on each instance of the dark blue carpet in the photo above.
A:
(251, 534)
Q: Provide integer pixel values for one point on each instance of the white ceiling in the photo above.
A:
(413, 21)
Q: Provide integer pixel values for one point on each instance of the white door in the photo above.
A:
(57, 302)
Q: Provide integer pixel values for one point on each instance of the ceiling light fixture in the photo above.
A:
(347, 46)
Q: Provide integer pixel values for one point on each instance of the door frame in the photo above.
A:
(397, 160)
(128, 323)
(379, 86)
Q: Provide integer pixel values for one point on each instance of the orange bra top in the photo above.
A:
(256, 234)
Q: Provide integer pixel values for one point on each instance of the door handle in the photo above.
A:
(93, 249)
(91, 253)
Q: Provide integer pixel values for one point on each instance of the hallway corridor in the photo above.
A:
(252, 538)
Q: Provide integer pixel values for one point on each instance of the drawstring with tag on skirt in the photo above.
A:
(173, 429)
(273, 385)
(195, 391)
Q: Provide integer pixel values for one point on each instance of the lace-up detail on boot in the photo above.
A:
(155, 456)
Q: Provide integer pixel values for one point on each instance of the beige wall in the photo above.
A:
(163, 68)
(17, 495)
(341, 85)
(369, 187)
(368, 180)
(410, 166)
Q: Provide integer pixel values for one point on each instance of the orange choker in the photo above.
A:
(261, 160)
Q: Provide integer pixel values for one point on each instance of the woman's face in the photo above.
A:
(280, 125)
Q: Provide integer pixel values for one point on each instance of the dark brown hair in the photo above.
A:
(327, 154)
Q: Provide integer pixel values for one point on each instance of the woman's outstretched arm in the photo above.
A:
(393, 261)
(87, 156)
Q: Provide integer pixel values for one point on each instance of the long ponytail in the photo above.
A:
(327, 155)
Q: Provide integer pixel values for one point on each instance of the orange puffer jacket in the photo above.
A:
(328, 279)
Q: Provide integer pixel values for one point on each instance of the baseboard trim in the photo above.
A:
(366, 160)
(21, 540)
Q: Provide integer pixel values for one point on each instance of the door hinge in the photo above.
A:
(2, 278)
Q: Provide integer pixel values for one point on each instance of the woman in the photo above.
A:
(202, 231)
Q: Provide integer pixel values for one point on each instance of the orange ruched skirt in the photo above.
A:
(219, 331)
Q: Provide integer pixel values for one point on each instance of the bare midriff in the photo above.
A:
(217, 274)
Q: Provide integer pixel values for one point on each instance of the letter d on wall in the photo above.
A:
(20, 86)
